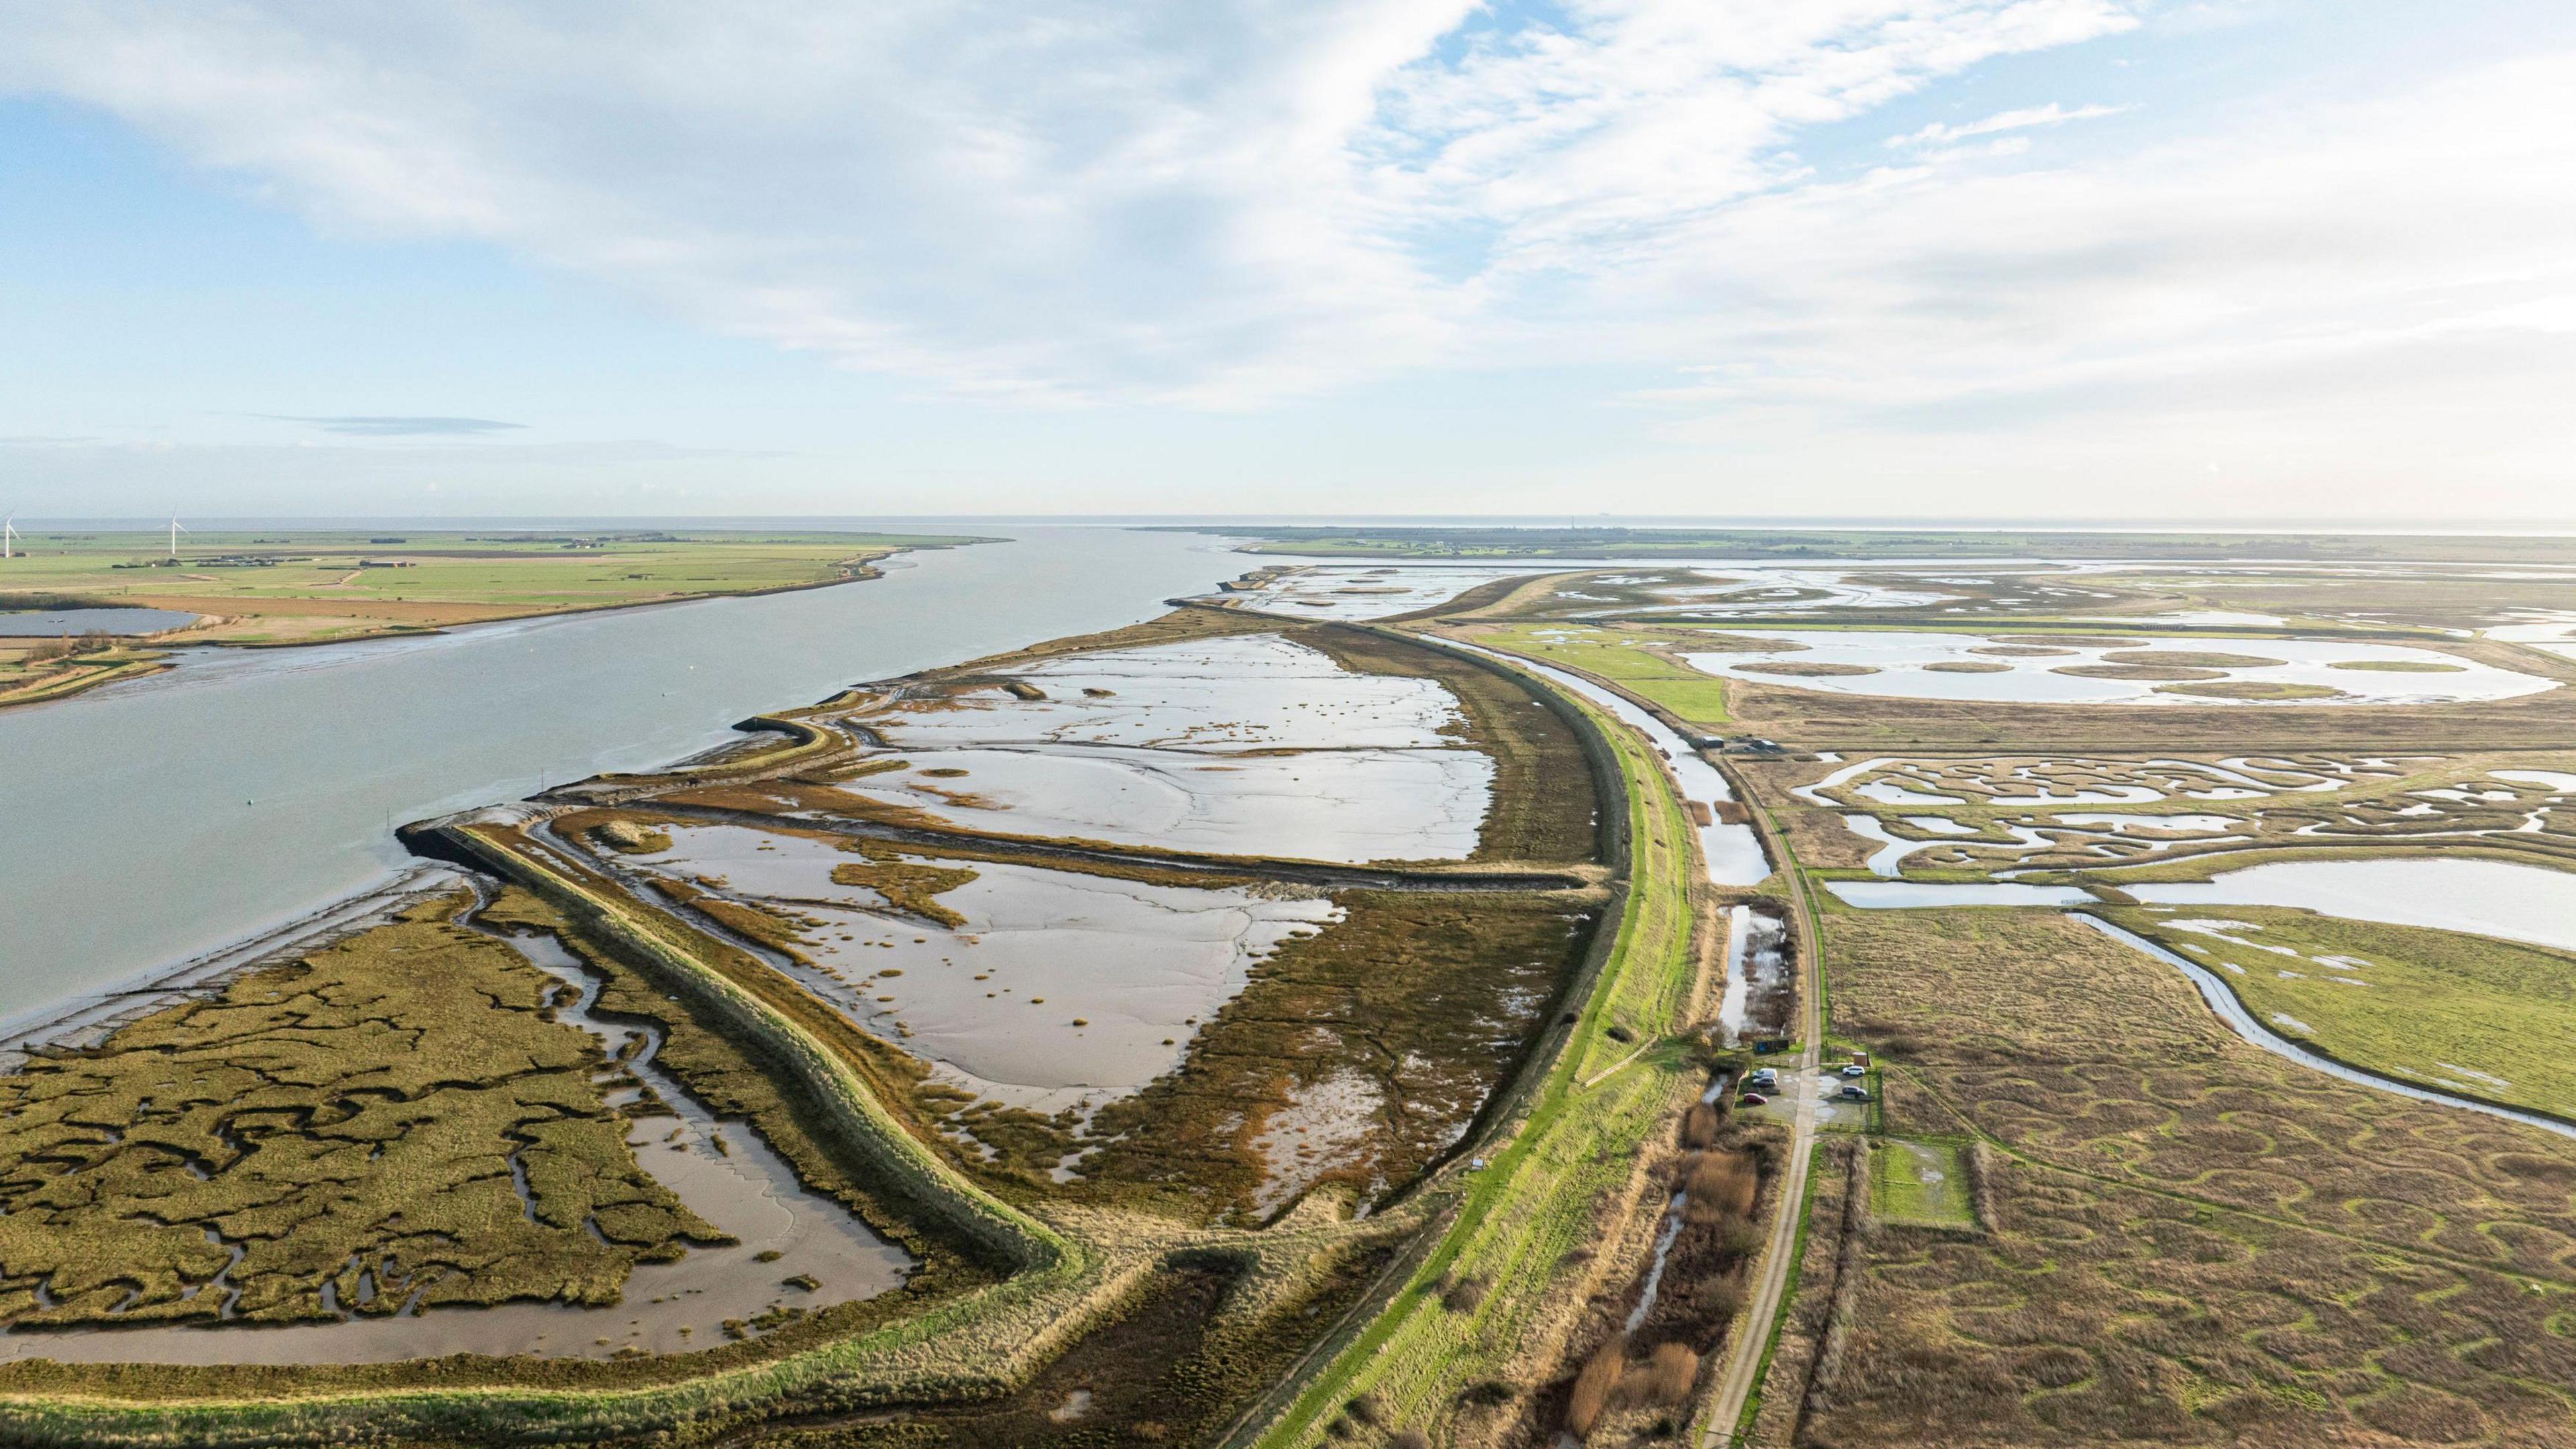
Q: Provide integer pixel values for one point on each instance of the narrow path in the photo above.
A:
(1761, 1317)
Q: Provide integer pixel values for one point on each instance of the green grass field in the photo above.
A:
(1684, 691)
(1920, 1181)
(2490, 1018)
(296, 587)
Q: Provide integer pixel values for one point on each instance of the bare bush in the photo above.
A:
(1721, 1185)
(1464, 1296)
(1719, 1298)
(1667, 1375)
(1594, 1386)
(1699, 1126)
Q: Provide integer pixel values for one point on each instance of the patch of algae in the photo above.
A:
(908, 886)
(397, 1118)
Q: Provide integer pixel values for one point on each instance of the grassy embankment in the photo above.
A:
(2470, 1014)
(1569, 1150)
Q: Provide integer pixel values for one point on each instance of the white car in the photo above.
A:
(1855, 1071)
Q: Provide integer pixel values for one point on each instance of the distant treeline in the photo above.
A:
(54, 603)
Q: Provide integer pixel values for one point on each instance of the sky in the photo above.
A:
(2116, 260)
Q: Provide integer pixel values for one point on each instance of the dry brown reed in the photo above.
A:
(1596, 1385)
(1721, 1185)
(1699, 1126)
(1666, 1376)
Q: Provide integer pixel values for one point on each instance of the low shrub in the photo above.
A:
(1595, 1386)
(1666, 1376)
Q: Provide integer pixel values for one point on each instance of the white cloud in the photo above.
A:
(1226, 202)
(1177, 199)
(2052, 114)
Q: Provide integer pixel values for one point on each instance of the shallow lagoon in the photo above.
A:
(56, 623)
(1246, 745)
(1337, 805)
(2480, 897)
(1901, 661)
(994, 1001)
(1241, 692)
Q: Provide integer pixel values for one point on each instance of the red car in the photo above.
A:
(1751, 1099)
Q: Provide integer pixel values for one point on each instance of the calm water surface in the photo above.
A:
(148, 822)
(21, 624)
(2483, 897)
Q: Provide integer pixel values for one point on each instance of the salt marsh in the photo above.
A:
(1902, 665)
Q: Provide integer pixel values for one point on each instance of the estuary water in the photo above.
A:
(148, 822)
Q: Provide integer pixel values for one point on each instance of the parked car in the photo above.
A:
(1752, 1099)
(1855, 1092)
(1855, 1071)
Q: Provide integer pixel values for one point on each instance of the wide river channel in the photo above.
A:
(149, 822)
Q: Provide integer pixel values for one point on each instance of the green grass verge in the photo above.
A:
(1517, 1220)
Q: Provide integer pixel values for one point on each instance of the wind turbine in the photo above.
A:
(9, 537)
(176, 528)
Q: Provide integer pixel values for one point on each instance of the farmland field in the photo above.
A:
(312, 588)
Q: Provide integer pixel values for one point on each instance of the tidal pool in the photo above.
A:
(1900, 659)
(1757, 590)
(2481, 897)
(1889, 859)
(1337, 805)
(1373, 591)
(1056, 989)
